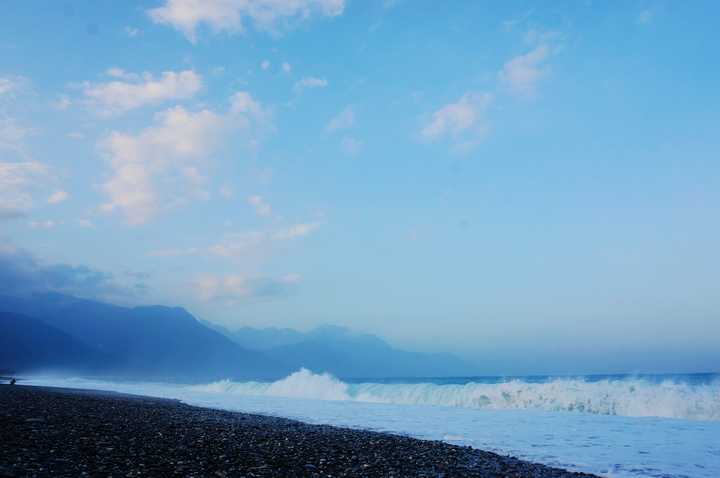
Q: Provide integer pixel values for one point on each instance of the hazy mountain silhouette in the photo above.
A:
(28, 344)
(345, 353)
(61, 332)
(261, 338)
(146, 342)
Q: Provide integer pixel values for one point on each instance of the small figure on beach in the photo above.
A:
(12, 381)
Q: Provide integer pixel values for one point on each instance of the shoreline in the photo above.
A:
(70, 432)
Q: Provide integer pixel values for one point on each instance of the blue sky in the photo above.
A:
(523, 183)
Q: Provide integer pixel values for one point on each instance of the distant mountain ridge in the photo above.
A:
(260, 338)
(345, 353)
(25, 341)
(155, 342)
(57, 332)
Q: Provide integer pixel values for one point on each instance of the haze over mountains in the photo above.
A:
(53, 332)
(345, 353)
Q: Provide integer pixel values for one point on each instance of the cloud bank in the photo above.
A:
(22, 273)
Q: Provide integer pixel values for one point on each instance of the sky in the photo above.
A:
(531, 185)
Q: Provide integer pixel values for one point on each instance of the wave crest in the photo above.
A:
(634, 397)
(301, 384)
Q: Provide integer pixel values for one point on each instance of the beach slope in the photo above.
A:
(62, 432)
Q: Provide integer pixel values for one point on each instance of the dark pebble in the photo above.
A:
(61, 432)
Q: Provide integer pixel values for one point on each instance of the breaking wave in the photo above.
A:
(634, 397)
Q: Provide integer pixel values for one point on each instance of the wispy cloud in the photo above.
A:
(309, 82)
(19, 182)
(245, 244)
(296, 230)
(233, 288)
(129, 91)
(132, 32)
(522, 74)
(343, 120)
(231, 15)
(11, 86)
(46, 224)
(62, 103)
(58, 197)
(262, 208)
(461, 122)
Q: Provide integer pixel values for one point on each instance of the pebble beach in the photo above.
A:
(65, 432)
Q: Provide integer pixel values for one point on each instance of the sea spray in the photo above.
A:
(632, 396)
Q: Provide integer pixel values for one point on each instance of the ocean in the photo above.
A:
(615, 425)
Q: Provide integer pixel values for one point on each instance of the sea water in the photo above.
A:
(615, 426)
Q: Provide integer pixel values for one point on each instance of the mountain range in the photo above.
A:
(53, 332)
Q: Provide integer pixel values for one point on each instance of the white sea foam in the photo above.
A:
(631, 397)
(301, 384)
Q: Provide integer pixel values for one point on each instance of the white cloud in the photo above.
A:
(265, 64)
(10, 86)
(257, 243)
(242, 102)
(58, 197)
(262, 208)
(522, 74)
(230, 15)
(249, 115)
(351, 146)
(296, 231)
(309, 82)
(48, 224)
(286, 67)
(18, 183)
(238, 287)
(343, 120)
(116, 72)
(238, 244)
(12, 137)
(130, 90)
(164, 165)
(83, 222)
(76, 135)
(6, 86)
(462, 121)
(21, 177)
(158, 168)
